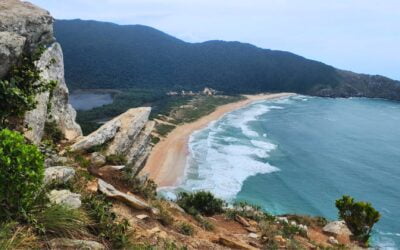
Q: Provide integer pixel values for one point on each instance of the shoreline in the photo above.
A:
(167, 161)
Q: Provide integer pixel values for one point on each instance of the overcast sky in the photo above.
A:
(359, 35)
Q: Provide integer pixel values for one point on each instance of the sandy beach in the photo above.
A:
(167, 161)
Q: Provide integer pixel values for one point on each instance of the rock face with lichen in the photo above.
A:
(24, 28)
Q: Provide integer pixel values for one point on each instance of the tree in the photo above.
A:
(360, 216)
(21, 174)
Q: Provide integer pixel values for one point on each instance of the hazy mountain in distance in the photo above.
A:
(107, 55)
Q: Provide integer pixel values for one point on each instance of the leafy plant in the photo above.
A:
(360, 216)
(21, 174)
(200, 202)
(185, 228)
(20, 87)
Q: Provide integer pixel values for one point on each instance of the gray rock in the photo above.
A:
(333, 241)
(58, 174)
(127, 135)
(63, 243)
(65, 197)
(129, 199)
(11, 48)
(97, 159)
(27, 20)
(61, 112)
(98, 137)
(337, 228)
(132, 123)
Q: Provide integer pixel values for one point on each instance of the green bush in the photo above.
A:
(200, 202)
(185, 228)
(116, 159)
(21, 174)
(52, 132)
(360, 216)
(164, 215)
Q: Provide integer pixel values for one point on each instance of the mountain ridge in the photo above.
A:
(108, 55)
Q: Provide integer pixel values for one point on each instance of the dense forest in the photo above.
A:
(106, 55)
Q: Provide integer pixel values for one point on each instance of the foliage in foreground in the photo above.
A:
(202, 202)
(21, 174)
(359, 216)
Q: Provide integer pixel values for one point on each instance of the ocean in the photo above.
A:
(299, 154)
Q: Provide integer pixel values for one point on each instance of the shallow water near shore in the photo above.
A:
(299, 154)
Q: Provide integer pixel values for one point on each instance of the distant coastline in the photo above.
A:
(167, 161)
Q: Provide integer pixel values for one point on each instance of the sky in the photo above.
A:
(358, 35)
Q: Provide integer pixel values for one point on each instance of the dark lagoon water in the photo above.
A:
(86, 100)
(299, 154)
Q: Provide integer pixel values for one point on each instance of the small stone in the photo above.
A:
(242, 221)
(337, 228)
(253, 235)
(333, 241)
(97, 159)
(65, 197)
(251, 229)
(142, 216)
(280, 240)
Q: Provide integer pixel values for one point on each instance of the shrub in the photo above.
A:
(360, 216)
(143, 186)
(21, 174)
(52, 132)
(116, 159)
(185, 228)
(106, 225)
(164, 216)
(200, 202)
(204, 223)
(20, 87)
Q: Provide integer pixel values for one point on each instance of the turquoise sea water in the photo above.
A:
(299, 154)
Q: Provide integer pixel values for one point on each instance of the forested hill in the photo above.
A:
(106, 55)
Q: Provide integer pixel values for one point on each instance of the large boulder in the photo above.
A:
(127, 134)
(52, 65)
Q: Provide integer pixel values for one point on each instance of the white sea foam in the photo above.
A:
(221, 163)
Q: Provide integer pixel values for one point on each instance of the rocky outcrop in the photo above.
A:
(127, 135)
(23, 28)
